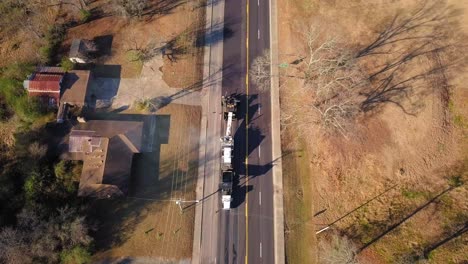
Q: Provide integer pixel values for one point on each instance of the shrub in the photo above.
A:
(66, 172)
(32, 186)
(17, 71)
(46, 53)
(134, 55)
(455, 181)
(130, 8)
(459, 121)
(76, 255)
(26, 108)
(37, 150)
(143, 105)
(54, 37)
(5, 112)
(66, 64)
(85, 15)
(338, 250)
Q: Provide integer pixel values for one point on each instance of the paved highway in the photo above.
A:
(245, 233)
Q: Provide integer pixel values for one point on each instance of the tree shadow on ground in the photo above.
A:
(162, 7)
(411, 25)
(425, 33)
(207, 83)
(218, 32)
(194, 37)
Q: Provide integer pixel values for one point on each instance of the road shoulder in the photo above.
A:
(278, 211)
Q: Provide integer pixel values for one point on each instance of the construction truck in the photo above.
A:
(229, 104)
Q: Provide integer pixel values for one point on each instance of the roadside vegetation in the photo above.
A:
(376, 100)
(41, 219)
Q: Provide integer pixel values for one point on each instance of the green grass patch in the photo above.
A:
(459, 121)
(76, 255)
(412, 194)
(28, 109)
(143, 105)
(455, 181)
(85, 15)
(300, 236)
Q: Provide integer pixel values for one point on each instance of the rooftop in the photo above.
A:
(75, 87)
(107, 149)
(81, 47)
(46, 82)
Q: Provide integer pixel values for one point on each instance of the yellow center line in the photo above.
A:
(247, 142)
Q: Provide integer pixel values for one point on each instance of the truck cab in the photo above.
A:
(226, 189)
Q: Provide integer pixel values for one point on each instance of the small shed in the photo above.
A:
(45, 83)
(82, 50)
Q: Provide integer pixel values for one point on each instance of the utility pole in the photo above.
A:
(180, 201)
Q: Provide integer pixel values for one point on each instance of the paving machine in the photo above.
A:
(229, 104)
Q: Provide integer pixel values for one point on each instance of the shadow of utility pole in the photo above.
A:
(405, 218)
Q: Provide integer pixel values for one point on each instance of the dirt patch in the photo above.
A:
(148, 223)
(399, 164)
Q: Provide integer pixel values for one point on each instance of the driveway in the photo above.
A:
(120, 93)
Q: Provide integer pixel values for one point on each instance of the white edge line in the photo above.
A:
(260, 249)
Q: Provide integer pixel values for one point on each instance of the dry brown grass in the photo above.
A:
(419, 150)
(297, 204)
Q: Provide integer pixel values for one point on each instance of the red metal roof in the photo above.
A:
(45, 82)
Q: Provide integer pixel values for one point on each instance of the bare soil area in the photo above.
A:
(397, 186)
(148, 223)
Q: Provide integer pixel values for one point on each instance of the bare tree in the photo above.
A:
(331, 78)
(13, 249)
(130, 8)
(339, 250)
(37, 150)
(143, 51)
(260, 72)
(337, 116)
(42, 239)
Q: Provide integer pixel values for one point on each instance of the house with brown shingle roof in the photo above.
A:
(107, 149)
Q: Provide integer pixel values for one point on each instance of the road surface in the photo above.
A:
(245, 233)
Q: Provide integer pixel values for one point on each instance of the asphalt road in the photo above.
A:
(245, 233)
